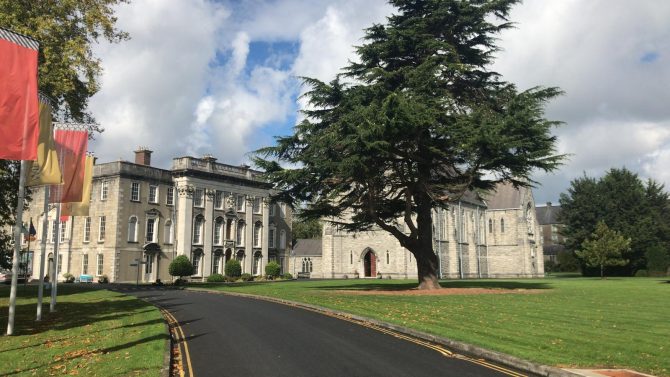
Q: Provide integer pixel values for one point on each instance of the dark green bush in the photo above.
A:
(68, 277)
(641, 274)
(181, 266)
(272, 270)
(658, 260)
(233, 268)
(216, 278)
(287, 276)
(246, 277)
(103, 279)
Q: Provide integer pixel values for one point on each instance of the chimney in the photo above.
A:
(548, 204)
(143, 156)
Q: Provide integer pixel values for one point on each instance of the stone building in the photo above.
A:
(554, 241)
(208, 211)
(476, 237)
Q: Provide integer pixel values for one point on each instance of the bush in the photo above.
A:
(567, 261)
(233, 268)
(641, 274)
(287, 276)
(246, 277)
(272, 270)
(181, 266)
(231, 279)
(215, 278)
(658, 260)
(68, 277)
(550, 266)
(103, 279)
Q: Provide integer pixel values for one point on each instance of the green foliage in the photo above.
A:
(305, 228)
(658, 260)
(639, 210)
(103, 279)
(567, 262)
(246, 277)
(69, 278)
(216, 278)
(272, 270)
(181, 266)
(641, 273)
(604, 248)
(233, 268)
(419, 119)
(287, 276)
(66, 31)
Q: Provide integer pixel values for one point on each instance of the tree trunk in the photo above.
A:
(426, 259)
(602, 271)
(426, 263)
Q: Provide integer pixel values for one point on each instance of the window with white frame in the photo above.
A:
(272, 209)
(104, 190)
(101, 228)
(100, 264)
(153, 194)
(218, 199)
(199, 198)
(257, 205)
(197, 256)
(60, 264)
(198, 225)
(87, 229)
(148, 264)
(84, 264)
(151, 230)
(257, 234)
(282, 239)
(282, 210)
(135, 191)
(63, 231)
(229, 229)
(240, 233)
(240, 199)
(54, 231)
(169, 196)
(271, 238)
(132, 229)
(168, 232)
(218, 231)
(216, 268)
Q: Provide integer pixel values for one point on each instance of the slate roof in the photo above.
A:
(548, 214)
(307, 247)
(504, 196)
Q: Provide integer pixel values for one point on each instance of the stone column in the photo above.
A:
(265, 210)
(249, 235)
(184, 224)
(208, 233)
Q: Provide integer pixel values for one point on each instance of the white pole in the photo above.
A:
(17, 247)
(54, 283)
(43, 247)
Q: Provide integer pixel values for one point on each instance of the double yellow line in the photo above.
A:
(180, 338)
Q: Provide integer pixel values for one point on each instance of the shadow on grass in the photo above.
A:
(70, 312)
(487, 284)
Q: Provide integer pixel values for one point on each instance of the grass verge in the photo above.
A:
(572, 322)
(94, 332)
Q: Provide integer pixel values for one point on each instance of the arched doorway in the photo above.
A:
(151, 256)
(370, 264)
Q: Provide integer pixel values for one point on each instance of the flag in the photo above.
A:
(81, 208)
(19, 113)
(45, 171)
(32, 232)
(71, 147)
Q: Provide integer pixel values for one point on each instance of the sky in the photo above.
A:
(222, 77)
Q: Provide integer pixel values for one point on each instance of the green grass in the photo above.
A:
(572, 322)
(93, 333)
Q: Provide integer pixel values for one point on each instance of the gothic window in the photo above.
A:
(502, 225)
(387, 257)
(257, 234)
(218, 231)
(240, 233)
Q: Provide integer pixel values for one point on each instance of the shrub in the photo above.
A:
(233, 268)
(231, 279)
(272, 270)
(68, 277)
(641, 274)
(566, 261)
(181, 266)
(550, 266)
(246, 277)
(658, 260)
(215, 278)
(287, 276)
(103, 279)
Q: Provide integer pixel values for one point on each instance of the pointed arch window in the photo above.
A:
(258, 226)
(240, 233)
(502, 225)
(218, 231)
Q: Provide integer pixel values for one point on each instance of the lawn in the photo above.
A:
(571, 322)
(94, 332)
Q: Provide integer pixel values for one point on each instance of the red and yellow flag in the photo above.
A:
(71, 147)
(45, 171)
(81, 208)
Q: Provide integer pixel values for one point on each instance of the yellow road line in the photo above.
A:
(183, 342)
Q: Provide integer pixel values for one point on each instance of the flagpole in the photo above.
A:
(54, 283)
(17, 247)
(43, 250)
(25, 265)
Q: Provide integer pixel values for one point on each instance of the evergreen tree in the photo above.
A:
(181, 266)
(419, 119)
(605, 247)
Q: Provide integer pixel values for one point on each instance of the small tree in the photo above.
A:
(604, 248)
(181, 266)
(272, 270)
(233, 268)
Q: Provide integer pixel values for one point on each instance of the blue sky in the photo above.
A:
(220, 77)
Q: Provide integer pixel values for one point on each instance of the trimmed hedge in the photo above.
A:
(233, 268)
